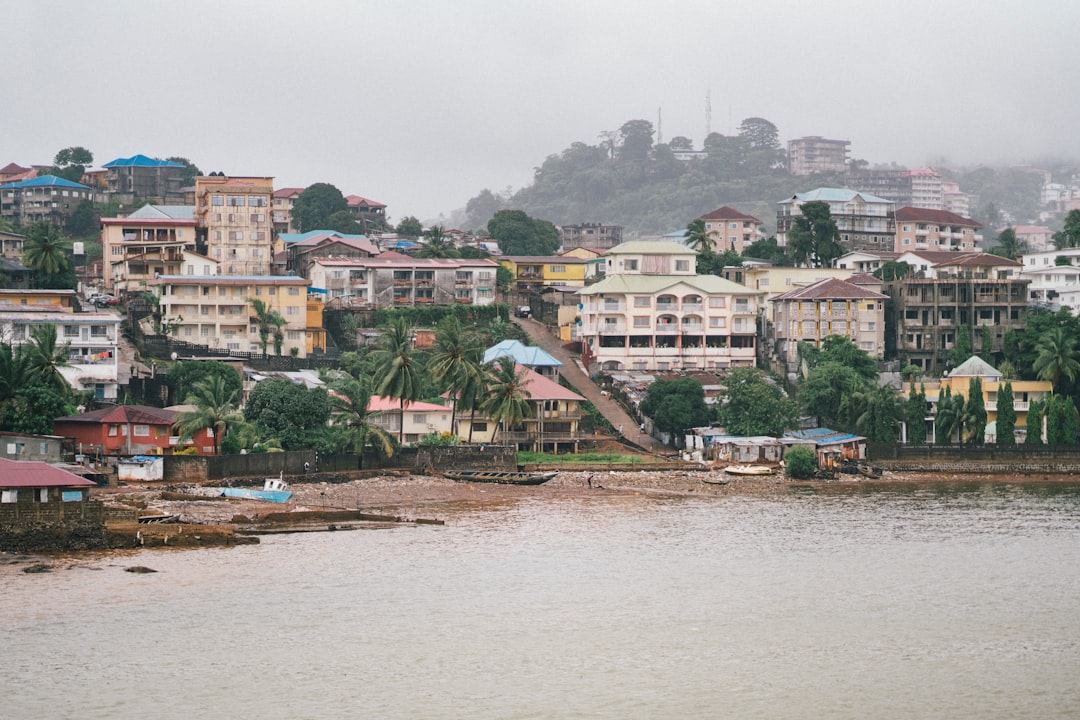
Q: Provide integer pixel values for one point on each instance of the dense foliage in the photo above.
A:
(751, 404)
(800, 462)
(288, 412)
(675, 406)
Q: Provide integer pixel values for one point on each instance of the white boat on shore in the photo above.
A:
(750, 470)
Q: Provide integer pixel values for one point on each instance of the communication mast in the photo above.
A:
(708, 113)
(659, 126)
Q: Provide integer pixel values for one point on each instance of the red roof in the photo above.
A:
(830, 289)
(380, 403)
(287, 192)
(938, 217)
(728, 213)
(357, 201)
(121, 414)
(22, 474)
(12, 169)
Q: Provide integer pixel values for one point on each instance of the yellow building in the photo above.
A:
(532, 272)
(773, 280)
(59, 298)
(316, 333)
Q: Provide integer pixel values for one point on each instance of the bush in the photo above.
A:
(800, 462)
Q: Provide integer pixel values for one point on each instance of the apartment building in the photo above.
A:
(1055, 283)
(771, 281)
(45, 198)
(924, 229)
(1036, 238)
(652, 312)
(371, 214)
(865, 221)
(395, 280)
(827, 307)
(144, 177)
(301, 250)
(534, 272)
(730, 229)
(590, 235)
(216, 310)
(234, 222)
(815, 154)
(150, 241)
(281, 209)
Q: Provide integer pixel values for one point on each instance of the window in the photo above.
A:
(260, 236)
(682, 265)
(717, 322)
(14, 448)
(99, 331)
(418, 419)
(236, 201)
(204, 332)
(641, 322)
(558, 268)
(716, 302)
(734, 226)
(218, 200)
(631, 265)
(142, 431)
(9, 496)
(292, 310)
(257, 201)
(642, 302)
(41, 495)
(71, 331)
(293, 335)
(294, 291)
(114, 430)
(478, 427)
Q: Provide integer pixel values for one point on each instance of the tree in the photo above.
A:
(312, 208)
(880, 413)
(892, 270)
(1052, 413)
(986, 348)
(409, 227)
(215, 410)
(43, 358)
(288, 412)
(1006, 416)
(45, 250)
(455, 360)
(269, 323)
(350, 407)
(1056, 360)
(480, 209)
(1069, 237)
(915, 415)
(1008, 245)
(814, 239)
(828, 394)
(759, 134)
(34, 407)
(800, 462)
(961, 349)
(398, 369)
(675, 406)
(70, 163)
(1033, 426)
(185, 374)
(508, 404)
(842, 350)
(437, 244)
(949, 417)
(344, 222)
(767, 249)
(697, 237)
(752, 405)
(1068, 422)
(636, 139)
(519, 234)
(681, 142)
(84, 221)
(190, 171)
(975, 414)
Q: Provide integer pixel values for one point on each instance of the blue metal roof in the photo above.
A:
(141, 161)
(46, 181)
(527, 355)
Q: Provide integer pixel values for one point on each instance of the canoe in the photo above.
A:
(750, 470)
(500, 477)
(275, 496)
(712, 480)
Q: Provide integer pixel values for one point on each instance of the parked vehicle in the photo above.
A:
(104, 300)
(523, 312)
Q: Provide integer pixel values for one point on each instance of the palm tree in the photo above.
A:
(456, 358)
(1056, 357)
(42, 359)
(398, 371)
(12, 368)
(44, 249)
(472, 394)
(949, 417)
(269, 322)
(880, 415)
(215, 410)
(697, 237)
(508, 403)
(350, 406)
(437, 244)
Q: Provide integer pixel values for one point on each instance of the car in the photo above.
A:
(523, 312)
(104, 300)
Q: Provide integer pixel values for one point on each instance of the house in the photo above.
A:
(13, 172)
(1036, 238)
(34, 493)
(234, 224)
(27, 446)
(729, 229)
(553, 423)
(60, 300)
(535, 272)
(815, 154)
(590, 235)
(865, 261)
(47, 197)
(717, 446)
(11, 245)
(828, 307)
(143, 177)
(958, 381)
(150, 241)
(922, 229)
(420, 418)
(951, 293)
(1055, 278)
(128, 430)
(529, 356)
(369, 213)
(830, 447)
(864, 221)
(303, 250)
(774, 280)
(652, 312)
(392, 279)
(216, 311)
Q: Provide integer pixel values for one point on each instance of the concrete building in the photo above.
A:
(923, 229)
(590, 235)
(865, 221)
(653, 312)
(730, 229)
(129, 430)
(815, 154)
(772, 281)
(419, 418)
(1037, 238)
(395, 280)
(530, 356)
(47, 197)
(11, 245)
(143, 177)
(281, 209)
(303, 249)
(1054, 283)
(533, 273)
(234, 222)
(370, 214)
(26, 446)
(150, 241)
(865, 261)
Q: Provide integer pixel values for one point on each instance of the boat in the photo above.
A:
(750, 470)
(714, 480)
(274, 490)
(502, 477)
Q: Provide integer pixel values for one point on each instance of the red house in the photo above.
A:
(128, 430)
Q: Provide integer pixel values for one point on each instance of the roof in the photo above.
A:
(728, 213)
(397, 260)
(379, 403)
(357, 201)
(939, 217)
(23, 474)
(833, 195)
(528, 355)
(141, 161)
(46, 181)
(229, 280)
(651, 247)
(979, 259)
(650, 284)
(542, 388)
(558, 259)
(819, 436)
(356, 242)
(292, 238)
(830, 288)
(12, 169)
(974, 366)
(287, 192)
(140, 414)
(172, 212)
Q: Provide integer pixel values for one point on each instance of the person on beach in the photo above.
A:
(588, 481)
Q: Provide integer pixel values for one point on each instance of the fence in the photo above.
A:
(976, 458)
(163, 346)
(195, 468)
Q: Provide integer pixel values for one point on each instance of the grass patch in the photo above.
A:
(525, 457)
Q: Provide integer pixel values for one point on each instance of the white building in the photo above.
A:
(395, 280)
(864, 221)
(1053, 285)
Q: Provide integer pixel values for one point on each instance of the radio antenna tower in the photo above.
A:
(708, 113)
(659, 126)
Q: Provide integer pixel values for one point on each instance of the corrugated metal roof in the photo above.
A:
(23, 474)
(45, 181)
(141, 161)
(833, 195)
(522, 354)
(648, 284)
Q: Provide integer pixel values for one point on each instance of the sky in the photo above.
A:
(421, 104)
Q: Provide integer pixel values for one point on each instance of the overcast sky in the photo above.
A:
(421, 104)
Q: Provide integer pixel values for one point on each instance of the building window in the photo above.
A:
(558, 268)
(113, 430)
(236, 201)
(642, 302)
(631, 265)
(292, 310)
(9, 496)
(717, 302)
(294, 291)
(71, 331)
(641, 322)
(682, 265)
(257, 201)
(217, 200)
(142, 431)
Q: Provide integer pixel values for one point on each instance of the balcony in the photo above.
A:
(668, 329)
(612, 329)
(692, 307)
(1018, 406)
(666, 307)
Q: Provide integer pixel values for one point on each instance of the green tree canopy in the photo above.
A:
(508, 401)
(399, 370)
(215, 409)
(828, 393)
(915, 415)
(1033, 426)
(409, 227)
(71, 162)
(759, 134)
(45, 251)
(814, 239)
(1006, 416)
(288, 412)
(675, 406)
(184, 374)
(975, 414)
(314, 207)
(892, 270)
(1008, 245)
(519, 234)
(752, 405)
(190, 171)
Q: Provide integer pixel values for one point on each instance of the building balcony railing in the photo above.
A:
(666, 307)
(1018, 406)
(610, 329)
(692, 307)
(517, 437)
(669, 329)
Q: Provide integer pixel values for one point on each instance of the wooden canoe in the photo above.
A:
(501, 477)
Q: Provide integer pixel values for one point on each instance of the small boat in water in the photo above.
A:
(750, 470)
(274, 490)
(501, 477)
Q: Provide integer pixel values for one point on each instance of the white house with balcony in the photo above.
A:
(654, 313)
(91, 340)
(1055, 278)
(395, 280)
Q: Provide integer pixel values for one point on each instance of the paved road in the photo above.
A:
(572, 373)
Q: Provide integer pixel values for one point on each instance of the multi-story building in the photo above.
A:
(90, 338)
(369, 213)
(534, 272)
(962, 292)
(865, 221)
(418, 418)
(216, 311)
(144, 177)
(1055, 283)
(652, 312)
(281, 210)
(923, 229)
(730, 229)
(865, 261)
(13, 172)
(129, 430)
(11, 245)
(775, 280)
(234, 222)
(47, 197)
(590, 235)
(58, 299)
(815, 154)
(303, 249)
(395, 280)
(152, 240)
(954, 200)
(926, 189)
(827, 307)
(1036, 238)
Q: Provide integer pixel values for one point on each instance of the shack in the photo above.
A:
(140, 468)
(831, 447)
(46, 508)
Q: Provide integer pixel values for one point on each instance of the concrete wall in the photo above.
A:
(466, 457)
(30, 447)
(192, 468)
(975, 459)
(27, 509)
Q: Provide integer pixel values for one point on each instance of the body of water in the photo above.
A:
(897, 603)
